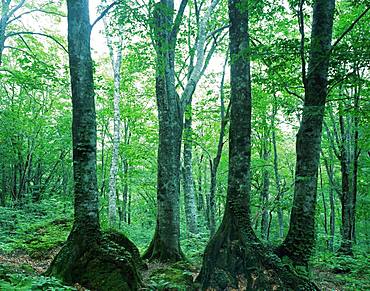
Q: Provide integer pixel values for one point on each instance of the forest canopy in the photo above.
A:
(184, 145)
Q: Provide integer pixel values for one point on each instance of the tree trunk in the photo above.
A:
(88, 257)
(265, 191)
(224, 115)
(200, 197)
(116, 65)
(279, 195)
(234, 257)
(300, 239)
(346, 197)
(3, 24)
(325, 208)
(189, 193)
(3, 185)
(165, 244)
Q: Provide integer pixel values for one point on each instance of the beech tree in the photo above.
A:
(165, 244)
(299, 242)
(234, 257)
(88, 256)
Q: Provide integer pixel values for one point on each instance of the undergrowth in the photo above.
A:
(36, 230)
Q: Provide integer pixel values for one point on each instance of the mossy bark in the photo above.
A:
(300, 239)
(165, 245)
(107, 263)
(236, 259)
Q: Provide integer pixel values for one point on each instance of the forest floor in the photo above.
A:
(29, 240)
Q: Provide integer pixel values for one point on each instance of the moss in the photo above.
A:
(99, 265)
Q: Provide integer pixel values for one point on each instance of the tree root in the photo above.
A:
(107, 263)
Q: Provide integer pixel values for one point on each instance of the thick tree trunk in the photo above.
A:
(165, 244)
(234, 257)
(300, 239)
(189, 193)
(88, 257)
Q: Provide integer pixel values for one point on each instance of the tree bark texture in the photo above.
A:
(215, 162)
(116, 65)
(300, 239)
(279, 195)
(165, 244)
(189, 193)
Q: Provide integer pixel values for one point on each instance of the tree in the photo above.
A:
(234, 257)
(300, 240)
(165, 244)
(95, 260)
(116, 60)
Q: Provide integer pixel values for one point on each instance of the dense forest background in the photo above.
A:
(136, 134)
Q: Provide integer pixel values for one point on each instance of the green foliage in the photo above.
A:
(36, 229)
(351, 272)
(177, 276)
(17, 279)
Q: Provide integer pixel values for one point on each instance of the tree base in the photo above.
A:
(159, 251)
(107, 263)
(235, 259)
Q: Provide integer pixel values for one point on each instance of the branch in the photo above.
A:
(198, 68)
(38, 33)
(301, 30)
(35, 10)
(105, 12)
(178, 19)
(349, 28)
(293, 93)
(15, 8)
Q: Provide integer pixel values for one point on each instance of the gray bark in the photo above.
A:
(189, 193)
(214, 163)
(6, 13)
(116, 60)
(279, 191)
(86, 224)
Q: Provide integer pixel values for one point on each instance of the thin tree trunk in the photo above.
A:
(189, 193)
(330, 173)
(116, 65)
(300, 239)
(265, 190)
(325, 208)
(3, 185)
(279, 195)
(213, 164)
(346, 195)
